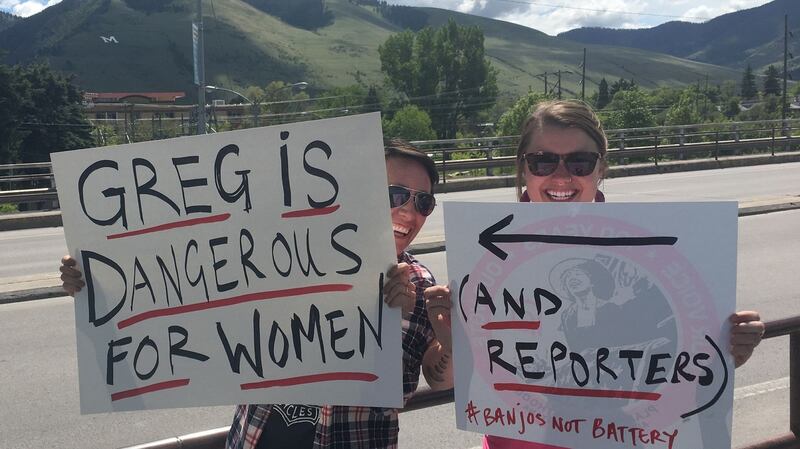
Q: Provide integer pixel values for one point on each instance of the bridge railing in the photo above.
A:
(32, 185)
(425, 397)
(488, 156)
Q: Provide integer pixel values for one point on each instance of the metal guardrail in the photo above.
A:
(425, 397)
(31, 185)
(649, 145)
(23, 183)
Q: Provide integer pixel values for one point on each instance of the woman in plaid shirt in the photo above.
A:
(411, 176)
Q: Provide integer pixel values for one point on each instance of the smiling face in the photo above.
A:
(406, 219)
(561, 186)
(577, 281)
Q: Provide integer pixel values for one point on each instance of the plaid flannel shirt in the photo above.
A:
(348, 426)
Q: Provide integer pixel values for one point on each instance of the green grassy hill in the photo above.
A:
(152, 49)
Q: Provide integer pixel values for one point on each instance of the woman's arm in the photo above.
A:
(437, 362)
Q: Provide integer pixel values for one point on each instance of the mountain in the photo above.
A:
(146, 45)
(752, 36)
(6, 20)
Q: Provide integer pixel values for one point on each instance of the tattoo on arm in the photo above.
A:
(436, 372)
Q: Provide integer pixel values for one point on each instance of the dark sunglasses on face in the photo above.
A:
(544, 163)
(423, 201)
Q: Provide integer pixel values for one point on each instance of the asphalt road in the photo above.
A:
(39, 369)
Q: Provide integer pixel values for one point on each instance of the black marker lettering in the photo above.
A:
(244, 234)
(273, 335)
(244, 187)
(313, 328)
(119, 192)
(341, 249)
(307, 269)
(280, 238)
(189, 183)
(112, 358)
(201, 276)
(318, 144)
(213, 243)
(147, 187)
(495, 348)
(336, 334)
(174, 281)
(87, 257)
(362, 320)
(285, 182)
(146, 343)
(176, 349)
(235, 357)
(137, 268)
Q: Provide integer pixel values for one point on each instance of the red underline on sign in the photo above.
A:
(310, 212)
(578, 392)
(226, 302)
(310, 379)
(149, 389)
(506, 325)
(173, 225)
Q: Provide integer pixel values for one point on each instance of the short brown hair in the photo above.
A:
(561, 114)
(396, 147)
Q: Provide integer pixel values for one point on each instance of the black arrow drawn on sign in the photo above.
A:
(489, 237)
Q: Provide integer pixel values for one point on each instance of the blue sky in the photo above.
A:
(549, 16)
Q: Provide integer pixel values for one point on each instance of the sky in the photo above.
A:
(549, 16)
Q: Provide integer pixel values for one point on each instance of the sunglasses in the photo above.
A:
(544, 163)
(423, 201)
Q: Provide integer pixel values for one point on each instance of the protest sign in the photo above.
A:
(239, 267)
(594, 325)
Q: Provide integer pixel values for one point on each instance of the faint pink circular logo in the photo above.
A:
(645, 302)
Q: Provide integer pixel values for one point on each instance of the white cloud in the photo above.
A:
(26, 8)
(601, 13)
(555, 16)
(701, 14)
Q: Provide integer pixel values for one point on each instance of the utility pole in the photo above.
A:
(200, 70)
(784, 105)
(559, 84)
(583, 75)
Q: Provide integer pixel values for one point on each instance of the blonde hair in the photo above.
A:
(561, 114)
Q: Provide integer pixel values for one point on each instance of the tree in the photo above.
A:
(685, 111)
(307, 14)
(749, 84)
(629, 109)
(620, 85)
(341, 101)
(732, 108)
(771, 84)
(510, 123)
(410, 123)
(372, 102)
(42, 113)
(10, 134)
(603, 97)
(443, 71)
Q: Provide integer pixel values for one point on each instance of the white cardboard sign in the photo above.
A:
(239, 267)
(594, 325)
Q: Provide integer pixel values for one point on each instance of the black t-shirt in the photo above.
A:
(290, 425)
